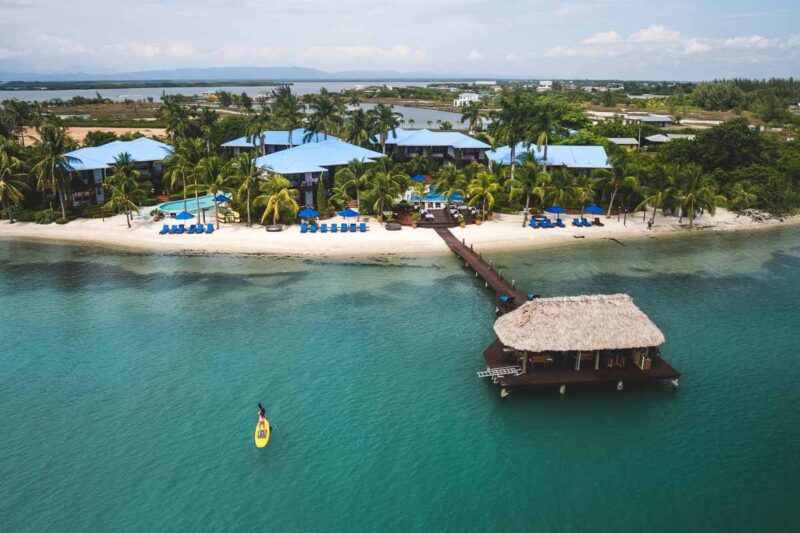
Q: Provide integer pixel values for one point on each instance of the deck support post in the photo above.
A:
(674, 382)
(490, 263)
(619, 385)
(513, 282)
(597, 360)
(504, 392)
(562, 389)
(485, 284)
(471, 249)
(577, 361)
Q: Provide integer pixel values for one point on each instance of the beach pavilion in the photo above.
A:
(91, 164)
(274, 141)
(581, 158)
(441, 145)
(578, 339)
(304, 165)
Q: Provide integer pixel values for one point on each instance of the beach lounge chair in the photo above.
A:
(164, 230)
(560, 223)
(323, 228)
(209, 228)
(576, 223)
(181, 229)
(174, 229)
(312, 228)
(353, 228)
(192, 229)
(533, 224)
(586, 223)
(303, 227)
(343, 228)
(597, 222)
(201, 228)
(546, 223)
(334, 228)
(363, 227)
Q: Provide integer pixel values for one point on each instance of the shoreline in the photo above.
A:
(504, 234)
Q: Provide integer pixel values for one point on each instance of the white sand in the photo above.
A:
(503, 233)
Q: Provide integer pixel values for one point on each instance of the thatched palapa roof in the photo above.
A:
(598, 322)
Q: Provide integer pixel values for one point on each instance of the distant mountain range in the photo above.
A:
(232, 73)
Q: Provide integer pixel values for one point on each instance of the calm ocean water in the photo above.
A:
(129, 385)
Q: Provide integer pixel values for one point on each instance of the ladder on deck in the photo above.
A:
(498, 372)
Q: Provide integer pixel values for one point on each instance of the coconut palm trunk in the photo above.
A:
(63, 209)
(249, 220)
(611, 203)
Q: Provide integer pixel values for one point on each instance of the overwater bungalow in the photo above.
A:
(576, 340)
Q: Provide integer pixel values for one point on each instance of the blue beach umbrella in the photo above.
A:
(555, 210)
(221, 198)
(348, 213)
(593, 210)
(183, 215)
(308, 213)
(419, 178)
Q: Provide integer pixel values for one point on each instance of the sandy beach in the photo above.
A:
(505, 232)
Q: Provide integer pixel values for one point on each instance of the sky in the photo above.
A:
(605, 39)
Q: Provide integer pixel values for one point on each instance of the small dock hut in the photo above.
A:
(576, 339)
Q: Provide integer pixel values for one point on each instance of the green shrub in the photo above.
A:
(92, 211)
(45, 216)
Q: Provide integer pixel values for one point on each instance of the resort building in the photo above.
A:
(577, 339)
(652, 120)
(465, 99)
(306, 164)
(442, 145)
(274, 140)
(662, 138)
(91, 164)
(560, 155)
(628, 143)
(544, 86)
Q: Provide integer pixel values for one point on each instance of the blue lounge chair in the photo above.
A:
(586, 223)
(334, 228)
(303, 227)
(533, 224)
(545, 223)
(181, 229)
(323, 228)
(173, 230)
(363, 227)
(312, 228)
(353, 228)
(209, 228)
(200, 229)
(560, 223)
(576, 223)
(343, 228)
(164, 230)
(192, 229)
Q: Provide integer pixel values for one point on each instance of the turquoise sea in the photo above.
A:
(128, 390)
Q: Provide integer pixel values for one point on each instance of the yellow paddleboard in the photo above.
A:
(262, 435)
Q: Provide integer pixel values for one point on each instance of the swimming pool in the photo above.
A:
(176, 206)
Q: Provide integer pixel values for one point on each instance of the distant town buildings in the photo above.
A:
(465, 99)
(544, 86)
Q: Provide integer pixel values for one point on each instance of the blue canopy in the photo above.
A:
(183, 215)
(419, 178)
(593, 210)
(308, 213)
(221, 198)
(555, 210)
(348, 213)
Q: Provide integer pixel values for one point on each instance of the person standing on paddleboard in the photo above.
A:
(262, 416)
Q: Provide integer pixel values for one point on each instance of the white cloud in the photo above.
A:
(564, 51)
(8, 53)
(695, 46)
(606, 37)
(475, 56)
(751, 41)
(512, 58)
(655, 34)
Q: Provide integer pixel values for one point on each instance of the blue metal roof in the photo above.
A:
(274, 138)
(142, 149)
(425, 137)
(557, 155)
(312, 157)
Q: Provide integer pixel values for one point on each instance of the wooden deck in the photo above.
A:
(493, 279)
(495, 357)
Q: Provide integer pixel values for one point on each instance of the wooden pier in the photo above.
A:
(500, 363)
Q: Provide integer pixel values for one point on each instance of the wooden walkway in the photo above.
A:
(492, 279)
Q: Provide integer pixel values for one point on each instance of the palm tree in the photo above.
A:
(246, 174)
(216, 177)
(175, 117)
(359, 127)
(287, 109)
(658, 191)
(509, 123)
(183, 166)
(445, 125)
(207, 121)
(386, 184)
(353, 177)
(546, 118)
(326, 114)
(583, 190)
(50, 166)
(472, 116)
(483, 187)
(530, 181)
(699, 192)
(386, 121)
(560, 189)
(256, 124)
(123, 186)
(277, 195)
(450, 180)
(743, 194)
(11, 179)
(619, 177)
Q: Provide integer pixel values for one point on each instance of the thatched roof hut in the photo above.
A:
(578, 323)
